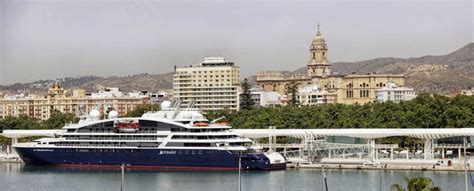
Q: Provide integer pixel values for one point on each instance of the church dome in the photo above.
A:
(318, 41)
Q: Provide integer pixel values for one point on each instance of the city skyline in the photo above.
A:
(54, 39)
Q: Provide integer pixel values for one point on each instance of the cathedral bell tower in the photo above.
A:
(318, 64)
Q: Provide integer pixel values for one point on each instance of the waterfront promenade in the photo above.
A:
(387, 164)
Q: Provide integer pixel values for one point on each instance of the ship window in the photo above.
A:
(147, 123)
(109, 124)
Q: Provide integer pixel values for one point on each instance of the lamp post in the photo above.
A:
(240, 167)
(465, 164)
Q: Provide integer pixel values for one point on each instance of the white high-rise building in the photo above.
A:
(392, 92)
(211, 85)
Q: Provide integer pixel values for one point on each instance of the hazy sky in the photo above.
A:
(47, 39)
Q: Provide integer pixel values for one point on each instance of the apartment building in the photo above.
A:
(314, 95)
(392, 92)
(210, 85)
(57, 100)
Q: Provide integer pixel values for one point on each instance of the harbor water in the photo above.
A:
(17, 176)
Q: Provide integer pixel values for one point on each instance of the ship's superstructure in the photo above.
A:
(173, 137)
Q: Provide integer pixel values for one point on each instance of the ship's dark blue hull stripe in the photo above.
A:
(169, 158)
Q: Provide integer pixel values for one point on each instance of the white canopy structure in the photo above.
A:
(359, 133)
(260, 133)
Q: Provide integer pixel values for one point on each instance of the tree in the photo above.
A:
(292, 91)
(246, 101)
(417, 184)
(141, 109)
(57, 120)
(20, 122)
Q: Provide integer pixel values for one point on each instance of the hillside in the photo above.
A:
(151, 82)
(434, 74)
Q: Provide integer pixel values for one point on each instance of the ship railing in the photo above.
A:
(149, 132)
(205, 132)
(223, 139)
(89, 146)
(107, 139)
(111, 132)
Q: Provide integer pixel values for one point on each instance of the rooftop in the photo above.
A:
(216, 61)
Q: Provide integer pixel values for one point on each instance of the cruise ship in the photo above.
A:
(172, 138)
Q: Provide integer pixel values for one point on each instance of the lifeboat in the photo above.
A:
(127, 126)
(201, 124)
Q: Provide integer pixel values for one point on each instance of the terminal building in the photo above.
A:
(210, 85)
(60, 100)
(347, 89)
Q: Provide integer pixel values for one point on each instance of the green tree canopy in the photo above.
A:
(416, 184)
(141, 109)
(20, 122)
(423, 112)
(57, 120)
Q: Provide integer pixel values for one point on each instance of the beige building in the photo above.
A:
(348, 89)
(211, 85)
(41, 107)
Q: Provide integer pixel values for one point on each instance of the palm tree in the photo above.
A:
(417, 184)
